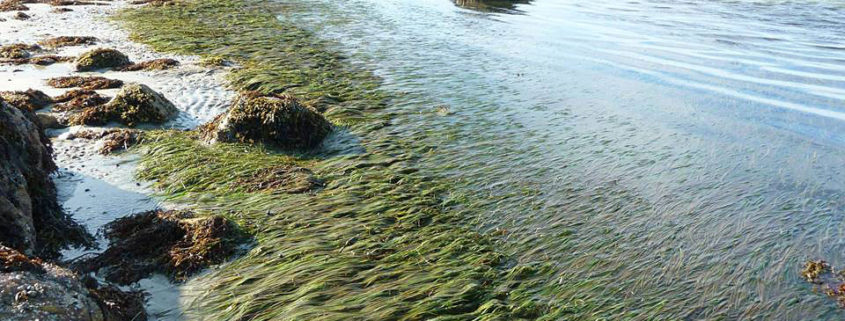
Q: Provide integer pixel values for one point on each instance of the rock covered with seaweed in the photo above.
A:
(277, 120)
(30, 217)
(101, 58)
(133, 105)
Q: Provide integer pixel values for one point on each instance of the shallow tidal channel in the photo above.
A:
(656, 160)
(547, 160)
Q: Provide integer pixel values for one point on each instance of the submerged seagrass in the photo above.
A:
(380, 241)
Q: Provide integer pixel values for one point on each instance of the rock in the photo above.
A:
(31, 289)
(134, 104)
(17, 51)
(277, 120)
(31, 219)
(175, 243)
(49, 121)
(30, 100)
(21, 16)
(101, 58)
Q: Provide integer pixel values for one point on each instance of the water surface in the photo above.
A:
(670, 159)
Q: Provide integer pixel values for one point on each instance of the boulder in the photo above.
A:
(31, 289)
(277, 120)
(31, 219)
(101, 58)
(30, 100)
(134, 104)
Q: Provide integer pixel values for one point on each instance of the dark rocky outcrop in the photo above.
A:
(101, 59)
(133, 105)
(29, 100)
(31, 219)
(31, 289)
(277, 120)
(175, 243)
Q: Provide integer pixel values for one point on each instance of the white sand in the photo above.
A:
(97, 189)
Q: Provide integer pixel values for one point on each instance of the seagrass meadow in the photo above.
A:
(379, 239)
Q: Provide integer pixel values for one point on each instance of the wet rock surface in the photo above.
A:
(174, 243)
(277, 120)
(133, 105)
(101, 58)
(31, 289)
(30, 217)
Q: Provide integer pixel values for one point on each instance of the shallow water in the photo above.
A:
(672, 160)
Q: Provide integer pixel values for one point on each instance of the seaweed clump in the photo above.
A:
(78, 99)
(155, 64)
(12, 5)
(114, 139)
(67, 41)
(17, 51)
(30, 100)
(134, 104)
(826, 279)
(88, 83)
(101, 58)
(277, 120)
(174, 243)
(286, 179)
(118, 305)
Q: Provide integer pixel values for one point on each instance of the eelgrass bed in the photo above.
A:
(377, 241)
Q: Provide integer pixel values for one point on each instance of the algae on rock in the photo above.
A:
(31, 218)
(101, 58)
(30, 100)
(133, 105)
(277, 120)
